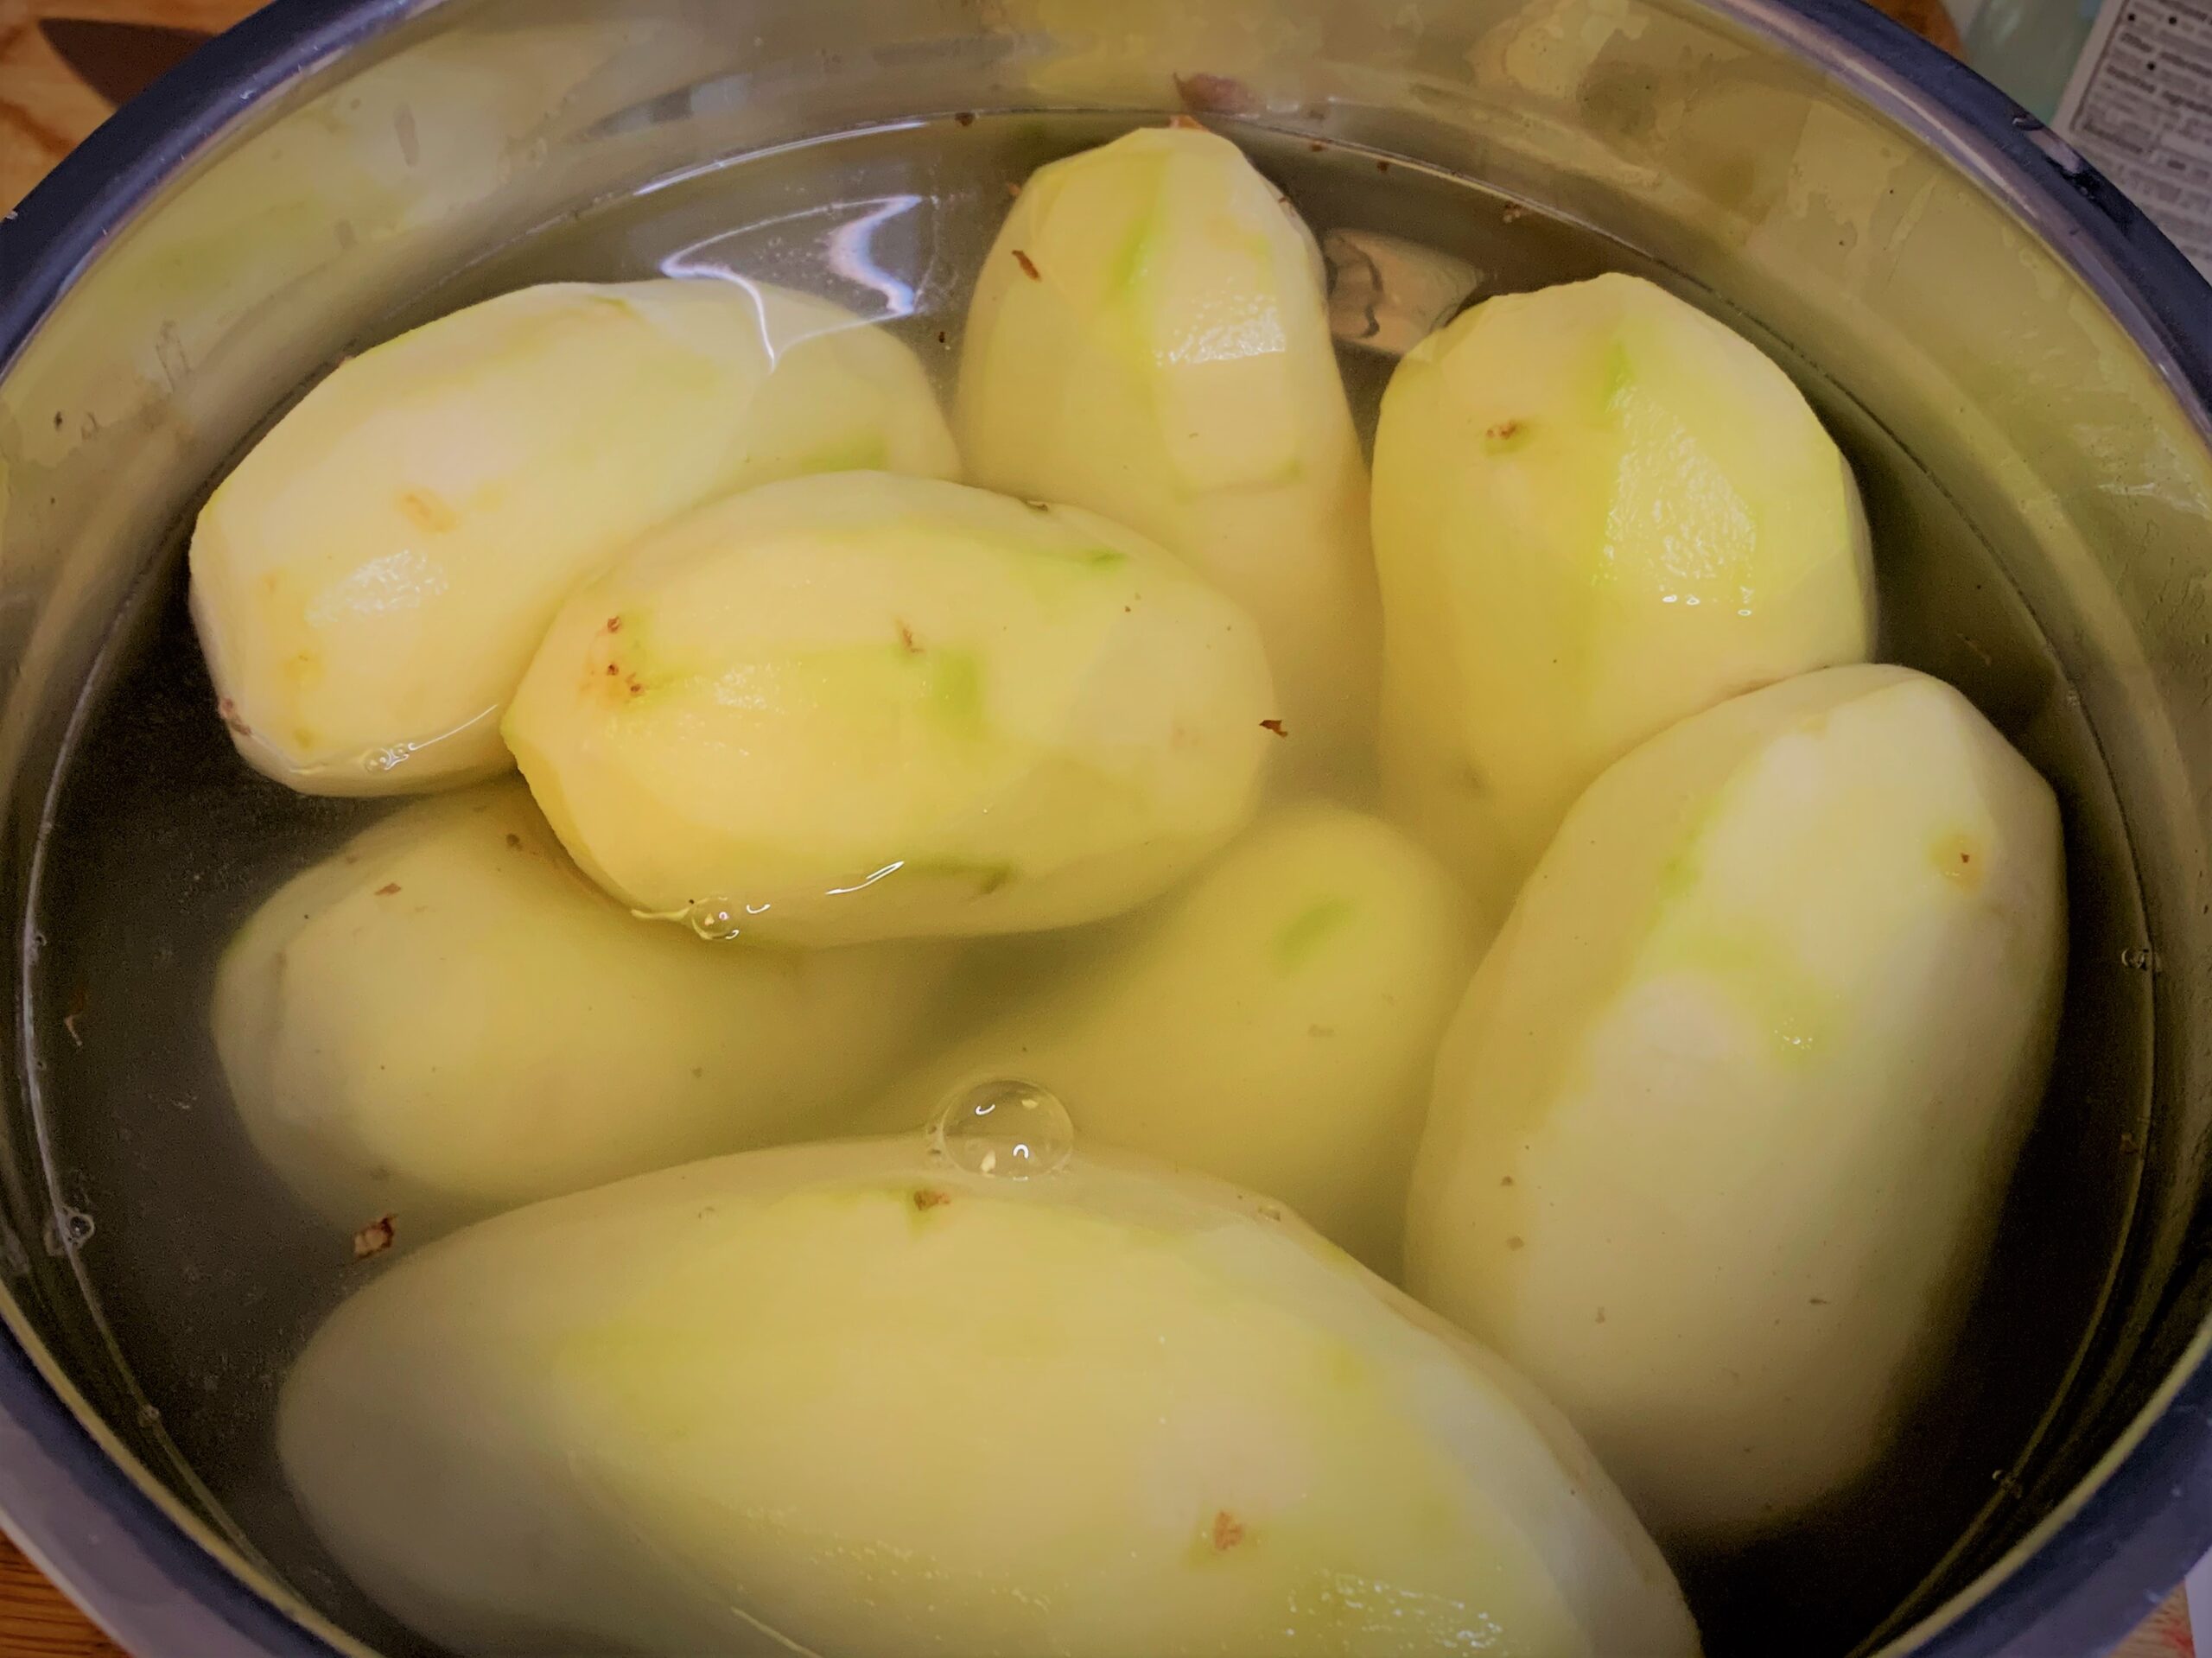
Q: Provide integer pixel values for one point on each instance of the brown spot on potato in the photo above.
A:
(966, 117)
(1960, 859)
(929, 1197)
(1514, 1243)
(1028, 265)
(1228, 1531)
(1275, 726)
(376, 1237)
(906, 640)
(614, 623)
(514, 841)
(388, 889)
(423, 508)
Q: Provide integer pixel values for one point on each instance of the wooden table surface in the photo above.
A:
(45, 110)
(35, 1622)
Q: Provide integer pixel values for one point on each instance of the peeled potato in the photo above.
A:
(1274, 1024)
(1596, 511)
(370, 581)
(839, 1399)
(866, 706)
(446, 1019)
(1720, 1131)
(1149, 338)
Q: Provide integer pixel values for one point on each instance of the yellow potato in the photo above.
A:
(843, 709)
(370, 581)
(1720, 1131)
(1149, 338)
(446, 1019)
(1596, 511)
(887, 1408)
(1274, 1024)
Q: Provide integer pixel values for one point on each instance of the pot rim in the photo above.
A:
(86, 1512)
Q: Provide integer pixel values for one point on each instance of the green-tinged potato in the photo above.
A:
(1720, 1132)
(446, 1019)
(370, 581)
(1274, 1024)
(1596, 511)
(866, 706)
(883, 1408)
(1149, 338)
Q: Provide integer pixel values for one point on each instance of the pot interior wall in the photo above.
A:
(2040, 501)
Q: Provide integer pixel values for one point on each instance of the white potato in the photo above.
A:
(885, 1409)
(866, 706)
(1597, 511)
(447, 1019)
(1720, 1132)
(1275, 1023)
(1149, 338)
(370, 581)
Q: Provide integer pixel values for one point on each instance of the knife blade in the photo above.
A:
(119, 61)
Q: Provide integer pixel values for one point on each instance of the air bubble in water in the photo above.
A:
(378, 761)
(70, 1230)
(1010, 1129)
(718, 919)
(714, 920)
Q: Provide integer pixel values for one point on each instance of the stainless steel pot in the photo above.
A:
(2021, 365)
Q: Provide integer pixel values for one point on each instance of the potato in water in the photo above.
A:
(1149, 338)
(370, 581)
(446, 1019)
(1274, 1024)
(1596, 511)
(865, 707)
(1720, 1133)
(845, 1400)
